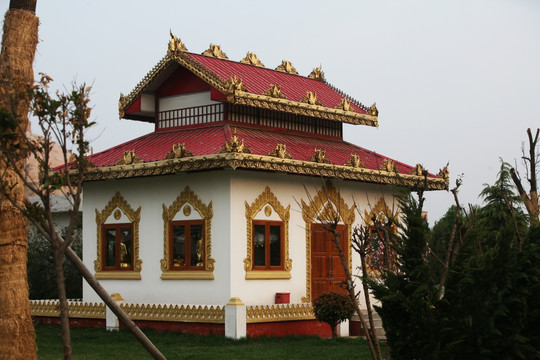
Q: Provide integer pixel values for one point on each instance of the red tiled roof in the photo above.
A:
(209, 140)
(258, 79)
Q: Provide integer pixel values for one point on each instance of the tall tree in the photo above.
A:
(19, 41)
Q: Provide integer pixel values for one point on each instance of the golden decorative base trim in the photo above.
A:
(275, 313)
(76, 309)
(176, 313)
(118, 275)
(267, 274)
(187, 275)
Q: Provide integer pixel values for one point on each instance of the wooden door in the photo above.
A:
(327, 272)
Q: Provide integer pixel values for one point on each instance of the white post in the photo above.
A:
(342, 329)
(235, 319)
(111, 321)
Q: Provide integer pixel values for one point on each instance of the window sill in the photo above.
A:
(187, 275)
(118, 275)
(268, 274)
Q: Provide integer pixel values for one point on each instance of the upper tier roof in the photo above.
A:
(249, 83)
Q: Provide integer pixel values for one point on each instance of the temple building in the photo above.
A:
(223, 202)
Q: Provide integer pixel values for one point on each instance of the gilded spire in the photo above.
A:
(317, 74)
(252, 59)
(234, 84)
(373, 111)
(175, 44)
(274, 91)
(215, 51)
(287, 67)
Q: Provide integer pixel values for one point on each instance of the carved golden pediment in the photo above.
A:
(317, 74)
(311, 98)
(287, 67)
(129, 158)
(252, 59)
(234, 84)
(274, 91)
(175, 44)
(355, 162)
(281, 152)
(373, 111)
(344, 105)
(235, 145)
(388, 166)
(215, 51)
(418, 170)
(444, 173)
(320, 157)
(178, 151)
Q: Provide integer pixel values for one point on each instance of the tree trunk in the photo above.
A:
(61, 286)
(19, 42)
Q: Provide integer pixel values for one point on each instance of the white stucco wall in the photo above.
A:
(228, 190)
(185, 101)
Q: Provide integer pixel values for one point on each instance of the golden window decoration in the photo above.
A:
(324, 207)
(380, 255)
(118, 243)
(187, 243)
(267, 250)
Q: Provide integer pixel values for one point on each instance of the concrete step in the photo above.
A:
(355, 327)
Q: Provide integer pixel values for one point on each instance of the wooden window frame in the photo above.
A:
(118, 261)
(187, 244)
(267, 224)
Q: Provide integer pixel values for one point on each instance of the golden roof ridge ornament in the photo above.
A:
(129, 158)
(319, 157)
(274, 91)
(418, 170)
(444, 173)
(178, 151)
(317, 74)
(280, 152)
(311, 98)
(235, 146)
(373, 111)
(234, 84)
(175, 44)
(252, 59)
(355, 162)
(287, 67)
(388, 166)
(215, 51)
(344, 105)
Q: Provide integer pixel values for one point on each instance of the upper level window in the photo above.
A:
(187, 243)
(118, 241)
(267, 238)
(267, 245)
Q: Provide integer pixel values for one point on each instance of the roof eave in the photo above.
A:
(262, 163)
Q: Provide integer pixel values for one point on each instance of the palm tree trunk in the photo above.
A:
(19, 42)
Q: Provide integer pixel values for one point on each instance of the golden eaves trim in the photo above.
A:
(263, 163)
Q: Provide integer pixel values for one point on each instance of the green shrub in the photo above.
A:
(333, 308)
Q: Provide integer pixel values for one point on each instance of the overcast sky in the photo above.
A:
(455, 81)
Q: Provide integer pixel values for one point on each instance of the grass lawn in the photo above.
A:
(91, 343)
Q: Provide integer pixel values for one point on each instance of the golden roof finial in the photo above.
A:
(388, 166)
(317, 74)
(175, 44)
(252, 59)
(287, 67)
(311, 98)
(215, 51)
(344, 105)
(373, 111)
(234, 84)
(235, 145)
(355, 162)
(274, 91)
(444, 173)
(320, 157)
(280, 151)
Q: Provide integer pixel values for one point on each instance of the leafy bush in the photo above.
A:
(333, 308)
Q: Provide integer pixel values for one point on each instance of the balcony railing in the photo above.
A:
(191, 116)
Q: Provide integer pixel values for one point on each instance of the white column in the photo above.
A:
(235, 319)
(111, 321)
(342, 329)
